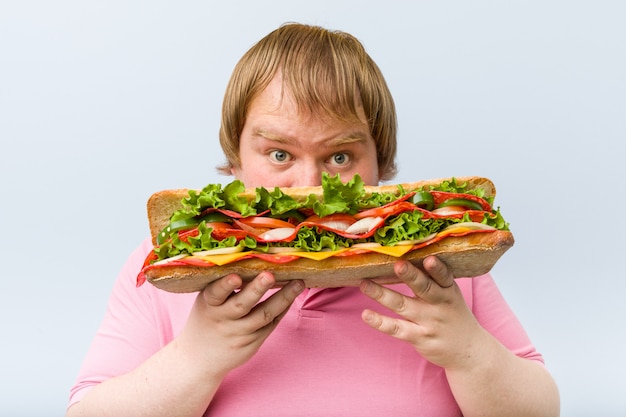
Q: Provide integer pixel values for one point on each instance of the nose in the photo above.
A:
(309, 176)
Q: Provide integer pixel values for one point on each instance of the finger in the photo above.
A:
(218, 291)
(393, 327)
(438, 271)
(241, 304)
(386, 297)
(423, 285)
(268, 313)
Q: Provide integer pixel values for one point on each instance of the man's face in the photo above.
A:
(281, 147)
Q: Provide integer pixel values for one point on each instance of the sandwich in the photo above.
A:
(333, 235)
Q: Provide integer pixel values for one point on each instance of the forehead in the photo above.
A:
(289, 95)
(276, 106)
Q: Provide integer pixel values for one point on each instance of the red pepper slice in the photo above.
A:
(441, 196)
(475, 215)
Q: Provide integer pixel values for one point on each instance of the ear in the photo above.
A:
(234, 171)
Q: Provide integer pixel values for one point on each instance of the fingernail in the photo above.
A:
(367, 316)
(265, 279)
(297, 286)
(402, 268)
(232, 281)
(431, 261)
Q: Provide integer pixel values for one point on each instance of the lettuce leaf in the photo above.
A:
(276, 201)
(452, 186)
(337, 198)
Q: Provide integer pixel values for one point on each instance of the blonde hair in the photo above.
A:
(324, 71)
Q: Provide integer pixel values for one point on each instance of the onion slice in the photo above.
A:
(449, 210)
(219, 251)
(364, 225)
(278, 234)
(468, 225)
(171, 259)
(418, 241)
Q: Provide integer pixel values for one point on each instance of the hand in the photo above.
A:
(436, 321)
(226, 328)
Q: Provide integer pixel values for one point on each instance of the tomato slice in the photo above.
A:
(186, 234)
(218, 225)
(390, 209)
(223, 231)
(265, 222)
(220, 231)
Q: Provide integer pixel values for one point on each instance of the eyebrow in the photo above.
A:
(356, 136)
(272, 136)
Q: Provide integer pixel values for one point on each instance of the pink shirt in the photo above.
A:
(322, 360)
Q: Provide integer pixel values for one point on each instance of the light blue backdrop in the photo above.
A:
(103, 103)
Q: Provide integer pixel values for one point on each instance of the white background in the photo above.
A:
(103, 103)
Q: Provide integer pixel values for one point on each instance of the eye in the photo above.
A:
(340, 159)
(280, 156)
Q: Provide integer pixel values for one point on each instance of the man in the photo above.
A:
(304, 101)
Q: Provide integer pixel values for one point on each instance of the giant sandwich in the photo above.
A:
(333, 235)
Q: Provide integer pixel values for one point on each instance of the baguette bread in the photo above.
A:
(467, 256)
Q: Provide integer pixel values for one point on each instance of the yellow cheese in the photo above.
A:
(456, 230)
(224, 259)
(396, 251)
(317, 256)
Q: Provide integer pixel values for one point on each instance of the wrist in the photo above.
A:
(198, 360)
(480, 353)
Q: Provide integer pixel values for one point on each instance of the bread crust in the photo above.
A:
(466, 256)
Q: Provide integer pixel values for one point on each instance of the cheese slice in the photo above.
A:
(317, 256)
(396, 251)
(224, 259)
(462, 228)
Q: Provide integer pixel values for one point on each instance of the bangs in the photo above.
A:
(321, 75)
